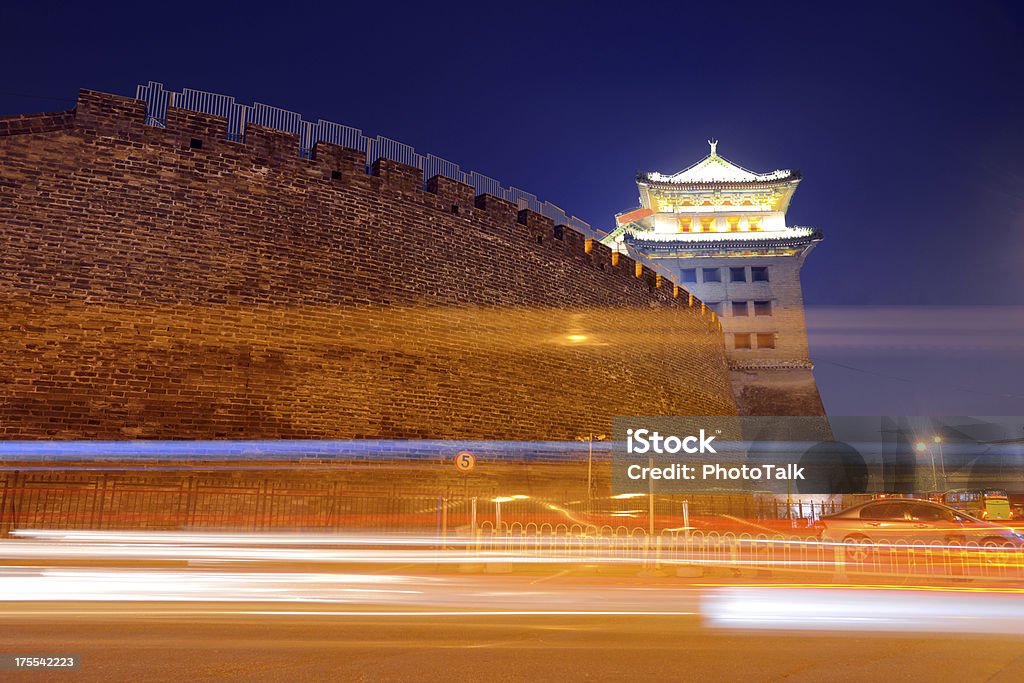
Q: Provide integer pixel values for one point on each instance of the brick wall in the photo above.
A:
(169, 283)
(766, 381)
(780, 386)
(777, 391)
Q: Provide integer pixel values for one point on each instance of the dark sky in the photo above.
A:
(906, 119)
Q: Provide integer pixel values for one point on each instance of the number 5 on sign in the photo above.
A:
(465, 461)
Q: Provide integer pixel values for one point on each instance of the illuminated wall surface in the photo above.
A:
(168, 283)
(721, 229)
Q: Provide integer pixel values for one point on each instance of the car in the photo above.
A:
(906, 520)
(986, 504)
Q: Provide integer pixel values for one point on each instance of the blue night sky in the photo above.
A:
(906, 119)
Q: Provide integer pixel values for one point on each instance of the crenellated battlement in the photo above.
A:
(203, 133)
(182, 281)
(239, 118)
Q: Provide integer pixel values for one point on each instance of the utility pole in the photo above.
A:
(590, 438)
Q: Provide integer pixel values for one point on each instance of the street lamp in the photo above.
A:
(937, 440)
(590, 439)
(921, 447)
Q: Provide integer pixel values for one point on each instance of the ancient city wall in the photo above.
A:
(170, 283)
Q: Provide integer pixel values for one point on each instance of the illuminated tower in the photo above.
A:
(722, 230)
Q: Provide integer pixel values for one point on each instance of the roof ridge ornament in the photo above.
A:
(717, 169)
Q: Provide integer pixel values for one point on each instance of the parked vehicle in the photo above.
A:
(905, 520)
(986, 504)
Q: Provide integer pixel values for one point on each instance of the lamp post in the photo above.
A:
(921, 447)
(937, 440)
(590, 462)
(650, 500)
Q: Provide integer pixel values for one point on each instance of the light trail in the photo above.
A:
(361, 613)
(161, 585)
(483, 613)
(843, 609)
(425, 540)
(365, 593)
(276, 581)
(801, 555)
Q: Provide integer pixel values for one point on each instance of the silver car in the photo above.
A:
(905, 520)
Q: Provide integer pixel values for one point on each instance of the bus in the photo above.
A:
(987, 504)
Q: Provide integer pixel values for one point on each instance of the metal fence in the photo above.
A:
(309, 134)
(169, 500)
(707, 552)
(796, 509)
(34, 501)
(196, 100)
(486, 530)
(239, 115)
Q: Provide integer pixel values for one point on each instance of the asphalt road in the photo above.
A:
(264, 609)
(160, 642)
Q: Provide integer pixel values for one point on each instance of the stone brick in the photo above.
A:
(155, 289)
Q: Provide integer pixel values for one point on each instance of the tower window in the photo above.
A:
(762, 308)
(737, 275)
(195, 143)
(759, 274)
(688, 275)
(754, 225)
(707, 224)
(711, 274)
(766, 341)
(684, 224)
(739, 309)
(741, 341)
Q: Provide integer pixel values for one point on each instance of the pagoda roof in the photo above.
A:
(645, 240)
(714, 169)
(798, 237)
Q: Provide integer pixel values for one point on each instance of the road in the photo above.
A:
(293, 608)
(199, 642)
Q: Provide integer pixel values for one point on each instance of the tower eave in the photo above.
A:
(654, 246)
(645, 178)
(651, 191)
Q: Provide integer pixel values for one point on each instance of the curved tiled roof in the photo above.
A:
(717, 169)
(804, 237)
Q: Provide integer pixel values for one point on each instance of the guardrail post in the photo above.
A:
(687, 570)
(839, 563)
(650, 549)
(472, 548)
(437, 522)
(444, 523)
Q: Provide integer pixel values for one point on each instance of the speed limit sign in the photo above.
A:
(465, 461)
